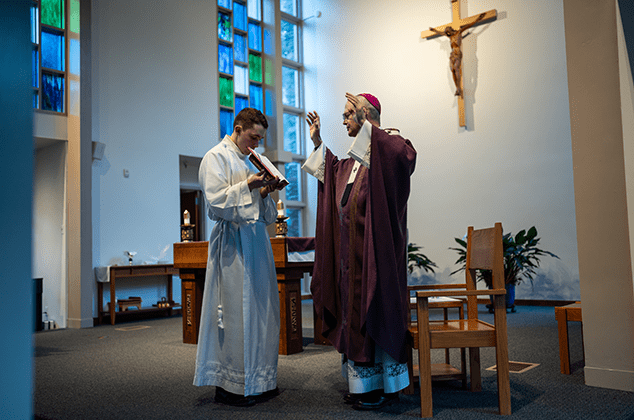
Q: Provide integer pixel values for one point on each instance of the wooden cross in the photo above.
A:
(453, 31)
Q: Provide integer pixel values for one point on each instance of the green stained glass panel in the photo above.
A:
(240, 16)
(289, 40)
(224, 26)
(290, 86)
(53, 13)
(52, 92)
(241, 80)
(294, 221)
(291, 134)
(52, 50)
(255, 68)
(226, 91)
(255, 36)
(269, 72)
(225, 59)
(240, 48)
(74, 16)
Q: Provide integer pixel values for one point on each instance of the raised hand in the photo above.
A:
(353, 100)
(313, 121)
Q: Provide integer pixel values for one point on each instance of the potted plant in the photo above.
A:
(521, 258)
(415, 258)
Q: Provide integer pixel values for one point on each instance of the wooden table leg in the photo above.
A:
(562, 327)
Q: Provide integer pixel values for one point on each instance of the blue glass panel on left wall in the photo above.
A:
(225, 59)
(225, 3)
(52, 92)
(35, 69)
(241, 103)
(224, 26)
(226, 122)
(240, 46)
(34, 25)
(255, 36)
(52, 50)
(240, 16)
(255, 92)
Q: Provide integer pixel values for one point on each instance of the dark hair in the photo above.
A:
(249, 117)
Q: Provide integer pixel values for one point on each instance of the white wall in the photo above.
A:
(49, 257)
(154, 98)
(513, 162)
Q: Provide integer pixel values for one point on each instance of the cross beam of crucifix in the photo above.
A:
(453, 31)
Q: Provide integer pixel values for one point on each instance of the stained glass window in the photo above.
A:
(269, 72)
(52, 92)
(226, 91)
(240, 47)
(289, 40)
(241, 103)
(224, 26)
(291, 134)
(254, 9)
(290, 86)
(35, 68)
(239, 16)
(293, 174)
(35, 26)
(255, 67)
(255, 93)
(289, 6)
(225, 59)
(294, 221)
(52, 50)
(268, 102)
(255, 36)
(241, 80)
(53, 13)
(225, 3)
(226, 122)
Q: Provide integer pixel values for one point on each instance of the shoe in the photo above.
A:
(235, 400)
(265, 396)
(350, 398)
(382, 401)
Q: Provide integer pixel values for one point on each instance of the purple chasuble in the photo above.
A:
(359, 283)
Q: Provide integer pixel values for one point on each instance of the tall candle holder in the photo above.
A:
(187, 229)
(281, 227)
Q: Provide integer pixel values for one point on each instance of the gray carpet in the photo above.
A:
(143, 370)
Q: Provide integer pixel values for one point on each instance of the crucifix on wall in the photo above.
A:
(453, 31)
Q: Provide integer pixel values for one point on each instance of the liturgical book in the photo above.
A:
(264, 164)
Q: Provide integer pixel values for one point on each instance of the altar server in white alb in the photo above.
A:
(238, 341)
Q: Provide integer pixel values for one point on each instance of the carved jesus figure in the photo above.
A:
(455, 57)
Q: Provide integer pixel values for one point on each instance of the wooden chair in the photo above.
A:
(439, 371)
(484, 251)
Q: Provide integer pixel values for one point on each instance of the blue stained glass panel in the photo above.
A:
(35, 68)
(52, 50)
(34, 25)
(225, 59)
(292, 173)
(225, 3)
(290, 86)
(241, 103)
(269, 41)
(289, 40)
(294, 221)
(291, 137)
(36, 100)
(224, 26)
(255, 9)
(255, 93)
(241, 80)
(268, 102)
(255, 37)
(289, 6)
(52, 92)
(226, 122)
(240, 16)
(240, 48)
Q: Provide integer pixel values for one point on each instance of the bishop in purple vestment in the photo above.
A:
(359, 283)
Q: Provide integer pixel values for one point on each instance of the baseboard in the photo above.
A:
(609, 378)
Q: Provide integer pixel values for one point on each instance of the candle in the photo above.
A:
(280, 209)
(186, 217)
